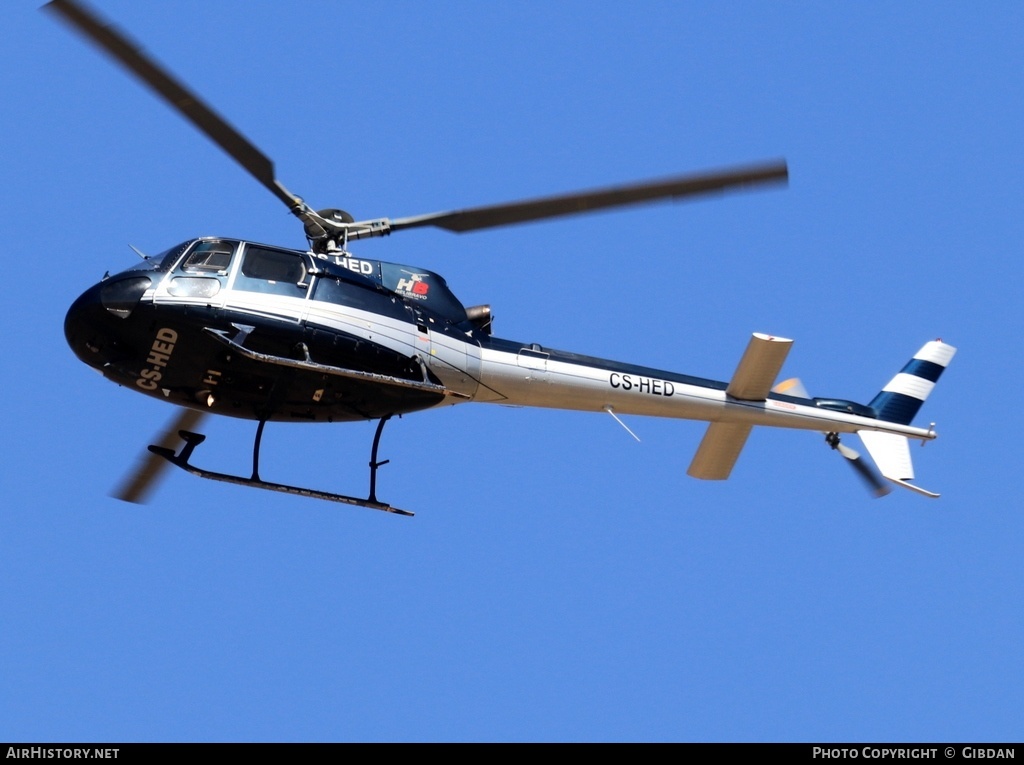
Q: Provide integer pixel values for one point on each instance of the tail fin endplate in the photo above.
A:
(891, 455)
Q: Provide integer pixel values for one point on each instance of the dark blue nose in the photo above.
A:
(96, 321)
(84, 327)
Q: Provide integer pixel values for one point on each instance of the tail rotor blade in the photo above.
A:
(140, 483)
(851, 454)
(870, 476)
(792, 387)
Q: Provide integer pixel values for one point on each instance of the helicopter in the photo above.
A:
(237, 328)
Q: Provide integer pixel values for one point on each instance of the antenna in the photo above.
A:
(608, 408)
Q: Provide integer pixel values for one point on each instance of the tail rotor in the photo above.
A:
(862, 467)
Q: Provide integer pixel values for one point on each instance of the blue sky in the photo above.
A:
(559, 581)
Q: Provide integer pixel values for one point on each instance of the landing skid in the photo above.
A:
(192, 440)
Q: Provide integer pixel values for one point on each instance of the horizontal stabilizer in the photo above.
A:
(718, 451)
(891, 453)
(752, 381)
(758, 368)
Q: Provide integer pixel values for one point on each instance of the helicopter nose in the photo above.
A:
(84, 327)
(96, 319)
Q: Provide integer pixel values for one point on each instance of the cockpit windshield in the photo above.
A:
(166, 259)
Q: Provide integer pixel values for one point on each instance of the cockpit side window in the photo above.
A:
(203, 272)
(274, 271)
(209, 258)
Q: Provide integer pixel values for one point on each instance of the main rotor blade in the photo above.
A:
(139, 484)
(190, 106)
(475, 218)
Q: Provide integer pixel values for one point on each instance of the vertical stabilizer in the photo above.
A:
(900, 400)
